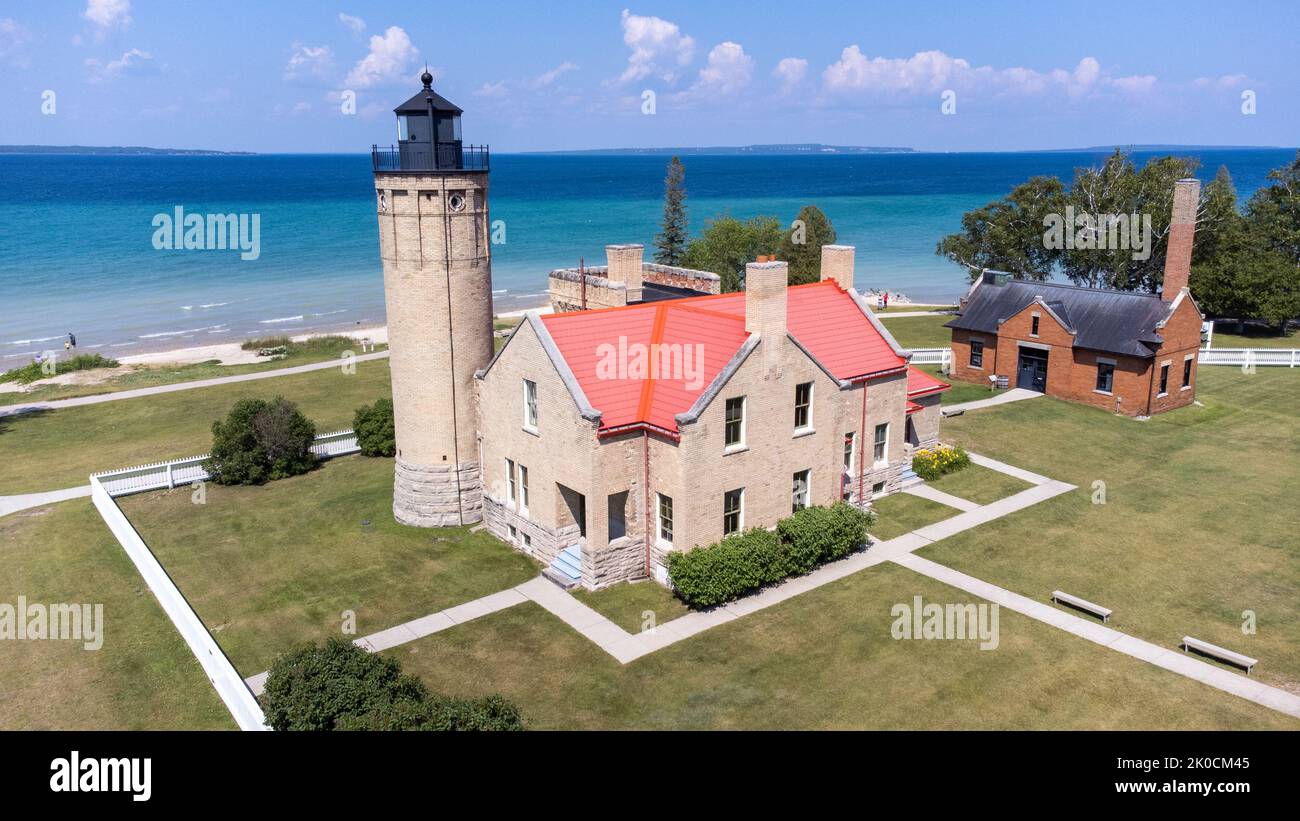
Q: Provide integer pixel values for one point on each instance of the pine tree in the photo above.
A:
(670, 243)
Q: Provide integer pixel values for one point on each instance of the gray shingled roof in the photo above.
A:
(417, 105)
(1112, 321)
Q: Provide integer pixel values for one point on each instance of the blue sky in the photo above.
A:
(259, 76)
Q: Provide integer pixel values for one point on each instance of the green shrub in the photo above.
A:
(81, 362)
(261, 441)
(816, 535)
(265, 342)
(374, 427)
(339, 686)
(740, 564)
(938, 461)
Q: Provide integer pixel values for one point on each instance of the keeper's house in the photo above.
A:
(1128, 352)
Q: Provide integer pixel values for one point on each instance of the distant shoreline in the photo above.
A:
(119, 151)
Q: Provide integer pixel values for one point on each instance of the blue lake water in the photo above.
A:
(76, 250)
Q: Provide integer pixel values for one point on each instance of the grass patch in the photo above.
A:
(920, 331)
(979, 484)
(1198, 525)
(903, 309)
(33, 371)
(45, 450)
(901, 513)
(272, 566)
(960, 391)
(318, 349)
(822, 660)
(142, 678)
(1263, 338)
(627, 604)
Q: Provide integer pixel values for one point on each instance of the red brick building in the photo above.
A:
(1128, 352)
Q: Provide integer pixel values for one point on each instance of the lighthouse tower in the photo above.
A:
(431, 195)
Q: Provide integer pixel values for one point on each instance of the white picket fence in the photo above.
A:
(1246, 357)
(176, 472)
(1282, 357)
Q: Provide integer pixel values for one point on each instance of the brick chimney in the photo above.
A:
(1182, 232)
(625, 267)
(765, 305)
(837, 264)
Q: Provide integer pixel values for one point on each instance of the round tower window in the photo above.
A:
(456, 202)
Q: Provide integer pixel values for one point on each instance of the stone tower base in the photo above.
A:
(437, 495)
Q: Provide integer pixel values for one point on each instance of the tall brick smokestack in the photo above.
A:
(1182, 232)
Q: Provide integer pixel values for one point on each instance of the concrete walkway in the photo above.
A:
(13, 504)
(927, 492)
(1013, 395)
(77, 401)
(1170, 659)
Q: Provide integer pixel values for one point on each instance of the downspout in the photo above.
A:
(645, 486)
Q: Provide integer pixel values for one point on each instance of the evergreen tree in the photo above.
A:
(670, 243)
(801, 245)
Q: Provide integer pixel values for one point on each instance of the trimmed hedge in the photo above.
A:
(376, 435)
(741, 563)
(939, 461)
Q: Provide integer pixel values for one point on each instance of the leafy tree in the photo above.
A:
(1275, 211)
(801, 245)
(1007, 234)
(339, 686)
(670, 243)
(727, 244)
(260, 441)
(374, 427)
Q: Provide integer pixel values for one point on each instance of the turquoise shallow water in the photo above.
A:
(76, 250)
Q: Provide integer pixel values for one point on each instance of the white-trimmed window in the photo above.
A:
(1105, 376)
(799, 491)
(880, 453)
(733, 511)
(1164, 379)
(850, 450)
(530, 405)
(803, 398)
(977, 353)
(1033, 325)
(1187, 371)
(665, 524)
(511, 488)
(734, 426)
(523, 489)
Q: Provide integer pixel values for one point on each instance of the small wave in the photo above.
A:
(187, 307)
(180, 333)
(330, 313)
(214, 304)
(122, 345)
(34, 341)
(501, 291)
(278, 320)
(18, 355)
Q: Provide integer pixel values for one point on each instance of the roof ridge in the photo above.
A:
(656, 337)
(1071, 286)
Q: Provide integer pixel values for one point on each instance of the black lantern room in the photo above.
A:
(428, 137)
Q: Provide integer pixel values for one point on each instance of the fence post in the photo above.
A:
(170, 482)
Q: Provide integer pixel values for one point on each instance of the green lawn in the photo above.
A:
(634, 606)
(142, 678)
(919, 331)
(46, 450)
(1199, 522)
(822, 660)
(979, 485)
(319, 349)
(268, 567)
(901, 513)
(960, 391)
(902, 309)
(1255, 340)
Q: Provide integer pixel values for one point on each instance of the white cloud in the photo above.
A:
(109, 14)
(658, 47)
(132, 63)
(492, 91)
(790, 71)
(309, 62)
(356, 24)
(388, 63)
(13, 36)
(1226, 81)
(931, 72)
(729, 69)
(548, 77)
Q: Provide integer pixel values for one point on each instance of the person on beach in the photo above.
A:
(885, 300)
(71, 343)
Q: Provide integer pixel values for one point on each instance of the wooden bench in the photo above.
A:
(1081, 604)
(1218, 652)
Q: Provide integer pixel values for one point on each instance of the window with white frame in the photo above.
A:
(733, 511)
(977, 353)
(1164, 379)
(1105, 376)
(803, 405)
(665, 518)
(734, 426)
(799, 491)
(511, 488)
(530, 405)
(850, 450)
(881, 451)
(1187, 372)
(1033, 325)
(523, 488)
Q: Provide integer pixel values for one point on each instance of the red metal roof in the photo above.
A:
(695, 338)
(920, 383)
(912, 407)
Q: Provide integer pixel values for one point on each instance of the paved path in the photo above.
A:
(1013, 395)
(13, 504)
(76, 401)
(927, 492)
(1170, 659)
(901, 314)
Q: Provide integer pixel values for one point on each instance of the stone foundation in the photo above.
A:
(623, 560)
(437, 495)
(544, 543)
